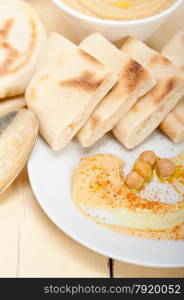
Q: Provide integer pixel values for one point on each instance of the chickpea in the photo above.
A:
(165, 167)
(148, 157)
(143, 169)
(134, 181)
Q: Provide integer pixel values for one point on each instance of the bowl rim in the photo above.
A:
(87, 18)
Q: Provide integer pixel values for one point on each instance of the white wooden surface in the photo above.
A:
(30, 244)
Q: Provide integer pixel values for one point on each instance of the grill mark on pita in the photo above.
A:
(127, 40)
(178, 117)
(4, 32)
(11, 53)
(162, 89)
(86, 81)
(168, 130)
(133, 75)
(159, 59)
(136, 108)
(94, 121)
(129, 79)
(182, 38)
(89, 58)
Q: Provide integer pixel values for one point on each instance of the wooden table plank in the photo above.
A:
(10, 220)
(32, 246)
(123, 270)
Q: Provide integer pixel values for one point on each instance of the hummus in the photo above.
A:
(119, 9)
(100, 193)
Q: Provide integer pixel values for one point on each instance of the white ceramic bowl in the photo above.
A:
(115, 30)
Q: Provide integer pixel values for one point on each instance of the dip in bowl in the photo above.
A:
(117, 19)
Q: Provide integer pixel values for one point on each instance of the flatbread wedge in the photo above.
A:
(151, 109)
(18, 131)
(173, 124)
(22, 36)
(11, 104)
(133, 81)
(173, 50)
(65, 89)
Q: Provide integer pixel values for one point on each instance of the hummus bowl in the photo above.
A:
(115, 30)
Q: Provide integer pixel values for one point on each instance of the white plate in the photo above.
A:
(50, 177)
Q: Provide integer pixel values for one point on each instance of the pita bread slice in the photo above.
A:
(151, 109)
(133, 82)
(11, 104)
(65, 89)
(173, 124)
(22, 36)
(18, 131)
(174, 50)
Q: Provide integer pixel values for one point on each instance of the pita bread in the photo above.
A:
(66, 88)
(151, 109)
(173, 124)
(21, 39)
(133, 81)
(11, 104)
(18, 130)
(174, 50)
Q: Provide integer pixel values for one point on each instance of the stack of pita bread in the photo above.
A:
(133, 82)
(94, 88)
(84, 90)
(173, 124)
(151, 109)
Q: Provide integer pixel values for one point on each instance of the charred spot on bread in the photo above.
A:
(13, 54)
(159, 59)
(136, 108)
(182, 38)
(127, 40)
(86, 81)
(130, 78)
(95, 120)
(178, 117)
(164, 127)
(4, 32)
(133, 74)
(89, 58)
(163, 88)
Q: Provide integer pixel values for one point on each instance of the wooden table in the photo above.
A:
(30, 244)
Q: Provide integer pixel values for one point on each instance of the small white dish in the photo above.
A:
(50, 176)
(115, 30)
